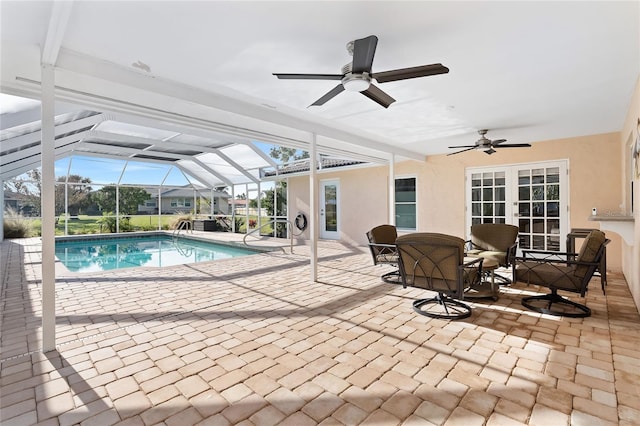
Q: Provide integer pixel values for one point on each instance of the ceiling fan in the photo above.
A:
(357, 75)
(487, 145)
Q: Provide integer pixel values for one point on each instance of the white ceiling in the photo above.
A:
(528, 71)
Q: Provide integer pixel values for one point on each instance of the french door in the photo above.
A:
(534, 197)
(330, 209)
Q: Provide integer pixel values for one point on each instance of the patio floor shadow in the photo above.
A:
(254, 341)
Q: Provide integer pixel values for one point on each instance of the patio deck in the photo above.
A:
(253, 341)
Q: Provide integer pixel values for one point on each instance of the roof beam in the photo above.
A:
(237, 166)
(60, 13)
(253, 115)
(34, 137)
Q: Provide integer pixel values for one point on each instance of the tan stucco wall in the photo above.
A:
(594, 181)
(631, 254)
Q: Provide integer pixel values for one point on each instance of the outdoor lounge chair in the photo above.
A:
(382, 243)
(559, 271)
(496, 241)
(436, 262)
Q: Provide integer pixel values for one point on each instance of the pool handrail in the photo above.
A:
(288, 222)
(182, 225)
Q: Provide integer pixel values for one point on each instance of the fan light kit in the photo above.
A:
(357, 75)
(356, 83)
(487, 145)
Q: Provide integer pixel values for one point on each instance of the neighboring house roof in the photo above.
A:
(302, 166)
(185, 193)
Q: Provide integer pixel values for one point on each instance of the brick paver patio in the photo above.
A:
(253, 341)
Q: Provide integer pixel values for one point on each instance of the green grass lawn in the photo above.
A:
(84, 224)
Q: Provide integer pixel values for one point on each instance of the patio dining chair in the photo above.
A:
(495, 241)
(436, 262)
(561, 271)
(382, 243)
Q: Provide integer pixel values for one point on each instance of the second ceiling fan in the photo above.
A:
(488, 145)
(357, 76)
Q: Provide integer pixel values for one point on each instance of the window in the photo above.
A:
(406, 203)
(181, 202)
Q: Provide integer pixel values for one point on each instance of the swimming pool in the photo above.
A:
(108, 253)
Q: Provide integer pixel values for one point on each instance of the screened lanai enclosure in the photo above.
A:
(116, 174)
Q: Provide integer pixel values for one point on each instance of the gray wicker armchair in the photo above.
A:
(559, 271)
(436, 262)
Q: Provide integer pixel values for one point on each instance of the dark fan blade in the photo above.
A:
(490, 151)
(329, 95)
(512, 145)
(378, 96)
(413, 72)
(309, 76)
(498, 141)
(363, 51)
(458, 152)
(463, 146)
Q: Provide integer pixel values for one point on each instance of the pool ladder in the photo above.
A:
(289, 225)
(183, 225)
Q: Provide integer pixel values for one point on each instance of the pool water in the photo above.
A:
(91, 255)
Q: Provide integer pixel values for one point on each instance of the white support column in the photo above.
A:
(212, 202)
(392, 190)
(117, 208)
(246, 209)
(313, 210)
(160, 207)
(1, 210)
(66, 199)
(233, 208)
(48, 210)
(259, 207)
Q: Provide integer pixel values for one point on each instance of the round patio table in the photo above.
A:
(487, 287)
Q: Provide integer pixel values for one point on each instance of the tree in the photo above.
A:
(78, 195)
(30, 188)
(130, 198)
(286, 154)
(267, 200)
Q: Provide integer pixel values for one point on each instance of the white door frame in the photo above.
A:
(511, 207)
(325, 233)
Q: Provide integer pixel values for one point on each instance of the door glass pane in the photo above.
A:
(538, 192)
(488, 187)
(330, 208)
(553, 192)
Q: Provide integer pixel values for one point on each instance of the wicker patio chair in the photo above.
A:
(382, 243)
(496, 241)
(436, 262)
(559, 271)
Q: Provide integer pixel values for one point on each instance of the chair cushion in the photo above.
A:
(494, 236)
(499, 256)
(589, 251)
(387, 258)
(550, 275)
